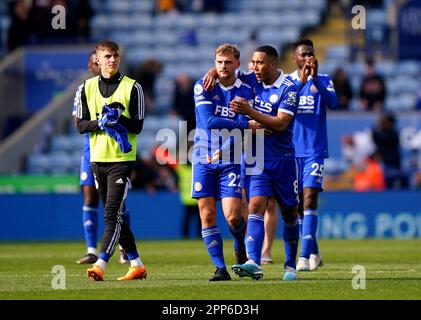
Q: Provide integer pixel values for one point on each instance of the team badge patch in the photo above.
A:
(198, 186)
(83, 175)
(273, 98)
(291, 99)
(198, 89)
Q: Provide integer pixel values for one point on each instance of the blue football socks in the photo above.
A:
(254, 237)
(90, 226)
(291, 236)
(213, 241)
(310, 221)
(238, 233)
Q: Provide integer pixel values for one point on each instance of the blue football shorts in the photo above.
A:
(310, 173)
(216, 180)
(279, 179)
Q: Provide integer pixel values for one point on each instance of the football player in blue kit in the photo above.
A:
(221, 180)
(311, 148)
(275, 105)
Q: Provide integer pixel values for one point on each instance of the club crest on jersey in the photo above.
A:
(198, 89)
(313, 88)
(273, 98)
(291, 98)
(83, 176)
(198, 186)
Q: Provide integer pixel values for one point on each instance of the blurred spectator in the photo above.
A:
(20, 27)
(208, 5)
(144, 176)
(43, 143)
(386, 139)
(153, 176)
(213, 6)
(343, 88)
(188, 37)
(369, 175)
(191, 209)
(78, 15)
(146, 74)
(40, 14)
(165, 165)
(357, 147)
(368, 3)
(183, 101)
(166, 6)
(84, 12)
(248, 49)
(373, 89)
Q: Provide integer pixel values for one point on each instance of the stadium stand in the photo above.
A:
(184, 41)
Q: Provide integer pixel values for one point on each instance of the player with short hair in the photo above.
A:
(111, 108)
(310, 139)
(220, 180)
(275, 104)
(87, 185)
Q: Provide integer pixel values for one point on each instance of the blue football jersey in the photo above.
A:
(282, 96)
(76, 99)
(213, 112)
(310, 133)
(86, 146)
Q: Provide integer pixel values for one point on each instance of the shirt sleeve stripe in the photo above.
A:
(203, 102)
(79, 101)
(140, 101)
(286, 111)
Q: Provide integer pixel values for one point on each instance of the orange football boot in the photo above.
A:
(135, 273)
(95, 273)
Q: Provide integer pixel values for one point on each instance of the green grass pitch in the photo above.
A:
(180, 270)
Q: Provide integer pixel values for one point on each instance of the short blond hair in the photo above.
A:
(107, 44)
(228, 48)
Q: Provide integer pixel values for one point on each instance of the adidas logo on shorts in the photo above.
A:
(120, 181)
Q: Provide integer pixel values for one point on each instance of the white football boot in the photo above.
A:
(303, 264)
(316, 261)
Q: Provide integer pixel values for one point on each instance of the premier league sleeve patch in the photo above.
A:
(198, 89)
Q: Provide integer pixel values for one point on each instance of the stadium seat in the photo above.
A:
(338, 52)
(386, 68)
(355, 69)
(310, 18)
(38, 163)
(121, 6)
(60, 162)
(208, 21)
(119, 22)
(141, 22)
(329, 66)
(61, 143)
(144, 6)
(408, 68)
(376, 17)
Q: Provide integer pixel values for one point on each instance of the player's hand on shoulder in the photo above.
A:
(208, 82)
